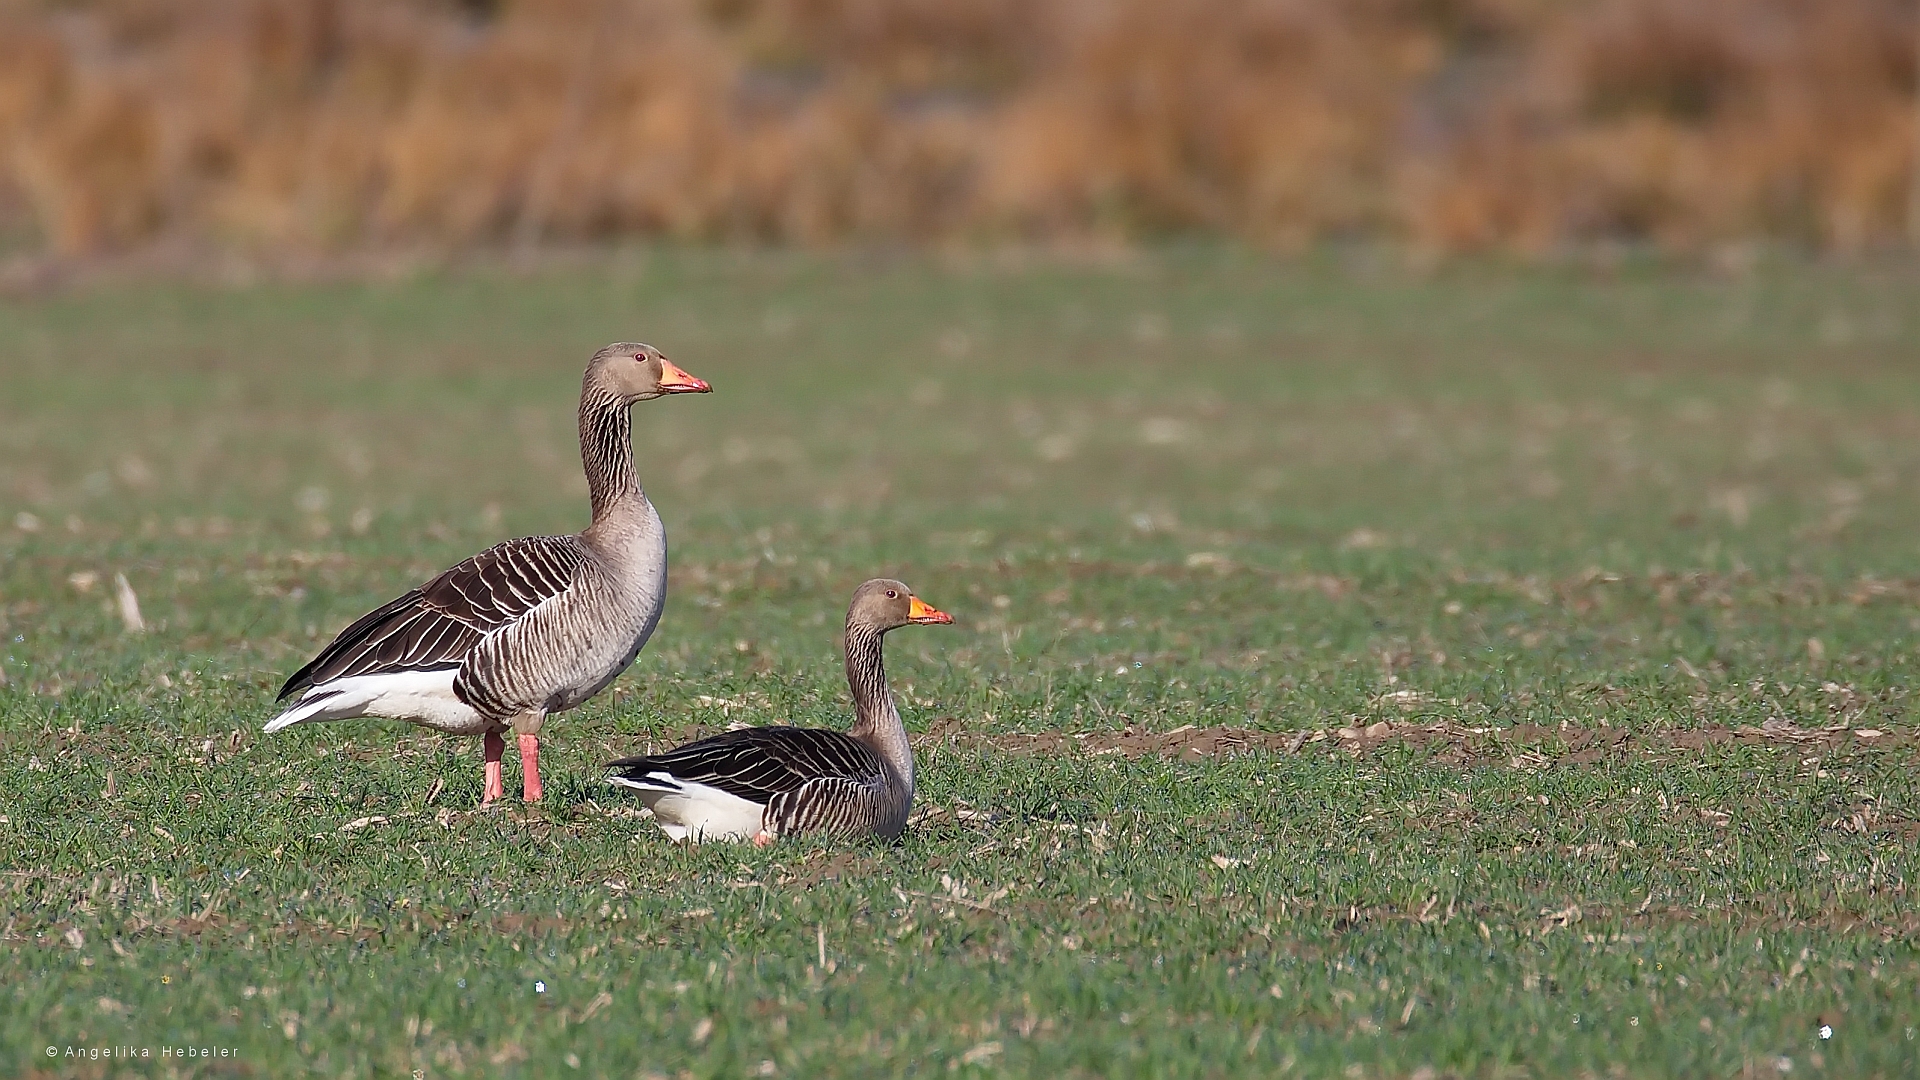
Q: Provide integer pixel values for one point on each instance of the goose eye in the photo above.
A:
(893, 594)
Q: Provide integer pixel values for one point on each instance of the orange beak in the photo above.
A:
(919, 611)
(673, 380)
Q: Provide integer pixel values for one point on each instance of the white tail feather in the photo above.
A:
(306, 708)
(646, 783)
(689, 810)
(423, 697)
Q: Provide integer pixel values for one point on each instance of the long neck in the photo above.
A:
(875, 721)
(606, 449)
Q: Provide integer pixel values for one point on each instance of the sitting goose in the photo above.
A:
(526, 628)
(760, 783)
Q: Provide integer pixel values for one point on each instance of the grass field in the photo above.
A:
(1563, 619)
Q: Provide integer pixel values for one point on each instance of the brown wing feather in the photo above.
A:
(437, 624)
(761, 763)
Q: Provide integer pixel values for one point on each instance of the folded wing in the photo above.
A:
(763, 763)
(434, 626)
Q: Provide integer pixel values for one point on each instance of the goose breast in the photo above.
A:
(570, 647)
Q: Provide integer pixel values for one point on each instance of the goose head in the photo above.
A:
(633, 372)
(884, 604)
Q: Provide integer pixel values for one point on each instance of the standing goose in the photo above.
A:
(760, 783)
(526, 628)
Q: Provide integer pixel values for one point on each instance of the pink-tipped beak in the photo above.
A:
(919, 611)
(675, 380)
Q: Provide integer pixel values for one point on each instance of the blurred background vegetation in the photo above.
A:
(1447, 125)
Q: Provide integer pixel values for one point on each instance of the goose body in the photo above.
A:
(529, 627)
(761, 783)
(777, 780)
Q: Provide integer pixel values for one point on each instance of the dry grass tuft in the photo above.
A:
(1459, 124)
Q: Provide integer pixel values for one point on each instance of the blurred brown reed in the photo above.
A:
(1451, 124)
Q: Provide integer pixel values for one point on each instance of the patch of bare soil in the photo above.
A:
(1520, 746)
(1189, 741)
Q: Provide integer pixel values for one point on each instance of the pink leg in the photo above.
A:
(495, 747)
(762, 838)
(530, 768)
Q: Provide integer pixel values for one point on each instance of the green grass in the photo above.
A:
(1528, 509)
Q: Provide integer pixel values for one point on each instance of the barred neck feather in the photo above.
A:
(606, 449)
(875, 721)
